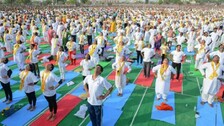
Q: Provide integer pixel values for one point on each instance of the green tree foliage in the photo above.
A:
(23, 1)
(9, 1)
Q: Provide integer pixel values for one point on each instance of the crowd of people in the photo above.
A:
(150, 31)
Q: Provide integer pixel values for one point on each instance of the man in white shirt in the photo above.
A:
(33, 53)
(177, 56)
(147, 54)
(219, 53)
(96, 85)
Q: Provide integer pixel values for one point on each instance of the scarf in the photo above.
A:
(43, 80)
(163, 69)
(100, 38)
(16, 47)
(31, 54)
(81, 39)
(70, 45)
(32, 39)
(58, 56)
(119, 49)
(92, 49)
(118, 71)
(202, 49)
(25, 74)
(18, 37)
(214, 73)
(55, 43)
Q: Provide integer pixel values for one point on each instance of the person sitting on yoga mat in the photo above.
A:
(48, 78)
(27, 82)
(163, 76)
(212, 72)
(96, 86)
(5, 74)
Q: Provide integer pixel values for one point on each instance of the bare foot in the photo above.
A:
(33, 108)
(53, 117)
(158, 99)
(202, 103)
(211, 105)
(5, 101)
(50, 116)
(9, 101)
(119, 94)
(29, 108)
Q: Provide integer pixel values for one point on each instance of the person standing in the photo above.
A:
(120, 77)
(87, 65)
(147, 54)
(48, 78)
(177, 56)
(33, 53)
(163, 77)
(71, 45)
(60, 59)
(27, 82)
(212, 71)
(5, 74)
(94, 51)
(94, 86)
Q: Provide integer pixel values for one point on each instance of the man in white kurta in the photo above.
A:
(8, 41)
(120, 50)
(2, 51)
(211, 82)
(18, 55)
(120, 77)
(55, 42)
(200, 56)
(61, 58)
(164, 72)
(94, 51)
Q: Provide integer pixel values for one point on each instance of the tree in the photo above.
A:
(24, 1)
(9, 1)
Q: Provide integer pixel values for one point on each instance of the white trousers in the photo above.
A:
(207, 98)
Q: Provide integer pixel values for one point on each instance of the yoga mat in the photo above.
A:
(10, 58)
(219, 94)
(110, 116)
(176, 85)
(166, 116)
(117, 102)
(50, 62)
(78, 91)
(10, 63)
(146, 82)
(104, 64)
(188, 53)
(111, 76)
(15, 72)
(78, 69)
(22, 120)
(68, 77)
(7, 53)
(209, 116)
(72, 67)
(63, 109)
(137, 65)
(44, 43)
(43, 54)
(17, 96)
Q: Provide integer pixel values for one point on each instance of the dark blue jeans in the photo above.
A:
(95, 113)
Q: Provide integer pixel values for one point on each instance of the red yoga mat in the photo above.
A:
(219, 94)
(146, 82)
(7, 53)
(42, 55)
(51, 62)
(11, 58)
(176, 85)
(112, 75)
(65, 105)
(86, 47)
(72, 67)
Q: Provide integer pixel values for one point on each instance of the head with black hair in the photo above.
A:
(98, 69)
(5, 60)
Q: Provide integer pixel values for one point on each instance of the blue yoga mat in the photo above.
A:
(15, 72)
(117, 102)
(12, 82)
(209, 116)
(166, 116)
(188, 53)
(20, 120)
(80, 90)
(68, 77)
(137, 65)
(10, 63)
(17, 96)
(110, 116)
